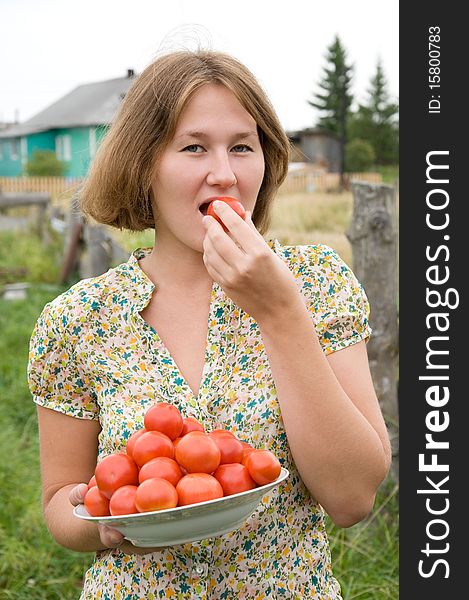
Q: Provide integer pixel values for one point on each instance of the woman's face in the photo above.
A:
(215, 151)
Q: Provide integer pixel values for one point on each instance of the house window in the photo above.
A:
(58, 147)
(14, 149)
(63, 147)
(67, 148)
(24, 151)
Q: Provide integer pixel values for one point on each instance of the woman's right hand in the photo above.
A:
(110, 537)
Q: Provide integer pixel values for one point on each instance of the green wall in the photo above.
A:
(80, 159)
(9, 167)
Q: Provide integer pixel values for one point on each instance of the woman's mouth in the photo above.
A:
(204, 207)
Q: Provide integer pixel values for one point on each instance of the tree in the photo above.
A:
(45, 163)
(335, 100)
(377, 122)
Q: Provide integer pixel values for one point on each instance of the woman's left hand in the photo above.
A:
(243, 264)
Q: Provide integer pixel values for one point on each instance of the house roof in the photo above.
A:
(87, 105)
(311, 131)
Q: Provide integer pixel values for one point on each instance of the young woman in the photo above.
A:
(241, 333)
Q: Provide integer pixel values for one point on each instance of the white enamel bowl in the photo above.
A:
(186, 523)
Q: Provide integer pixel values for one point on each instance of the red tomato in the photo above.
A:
(263, 466)
(221, 432)
(150, 445)
(246, 445)
(122, 501)
(155, 494)
(198, 453)
(191, 424)
(231, 449)
(92, 482)
(235, 205)
(163, 467)
(198, 487)
(114, 471)
(234, 478)
(247, 449)
(164, 417)
(132, 439)
(96, 503)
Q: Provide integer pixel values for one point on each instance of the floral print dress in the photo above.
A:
(92, 356)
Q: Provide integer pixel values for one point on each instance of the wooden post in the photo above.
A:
(73, 236)
(373, 235)
(96, 258)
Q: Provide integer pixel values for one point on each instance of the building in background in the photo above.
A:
(318, 148)
(72, 127)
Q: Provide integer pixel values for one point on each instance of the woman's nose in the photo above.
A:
(221, 172)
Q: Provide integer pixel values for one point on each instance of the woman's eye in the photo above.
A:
(242, 148)
(194, 148)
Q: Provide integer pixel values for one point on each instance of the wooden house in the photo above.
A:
(72, 127)
(317, 147)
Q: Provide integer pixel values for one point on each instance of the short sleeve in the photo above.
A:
(337, 300)
(53, 375)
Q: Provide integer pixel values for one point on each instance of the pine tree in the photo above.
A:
(335, 100)
(377, 122)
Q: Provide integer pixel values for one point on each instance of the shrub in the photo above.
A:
(359, 156)
(45, 163)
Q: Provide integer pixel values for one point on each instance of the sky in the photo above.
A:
(49, 47)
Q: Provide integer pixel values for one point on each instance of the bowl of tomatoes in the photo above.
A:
(183, 524)
(177, 483)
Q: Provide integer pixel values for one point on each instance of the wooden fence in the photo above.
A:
(304, 180)
(57, 187)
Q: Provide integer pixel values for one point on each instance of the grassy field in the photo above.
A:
(32, 565)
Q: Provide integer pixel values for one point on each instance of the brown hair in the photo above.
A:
(117, 190)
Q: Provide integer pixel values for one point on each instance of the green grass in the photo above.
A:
(365, 557)
(22, 257)
(32, 565)
(390, 173)
(318, 218)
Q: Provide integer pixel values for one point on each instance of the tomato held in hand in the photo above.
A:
(234, 478)
(263, 466)
(198, 453)
(150, 445)
(198, 487)
(114, 471)
(231, 449)
(155, 494)
(164, 417)
(122, 501)
(235, 205)
(163, 467)
(96, 503)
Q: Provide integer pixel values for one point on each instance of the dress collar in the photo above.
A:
(141, 287)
